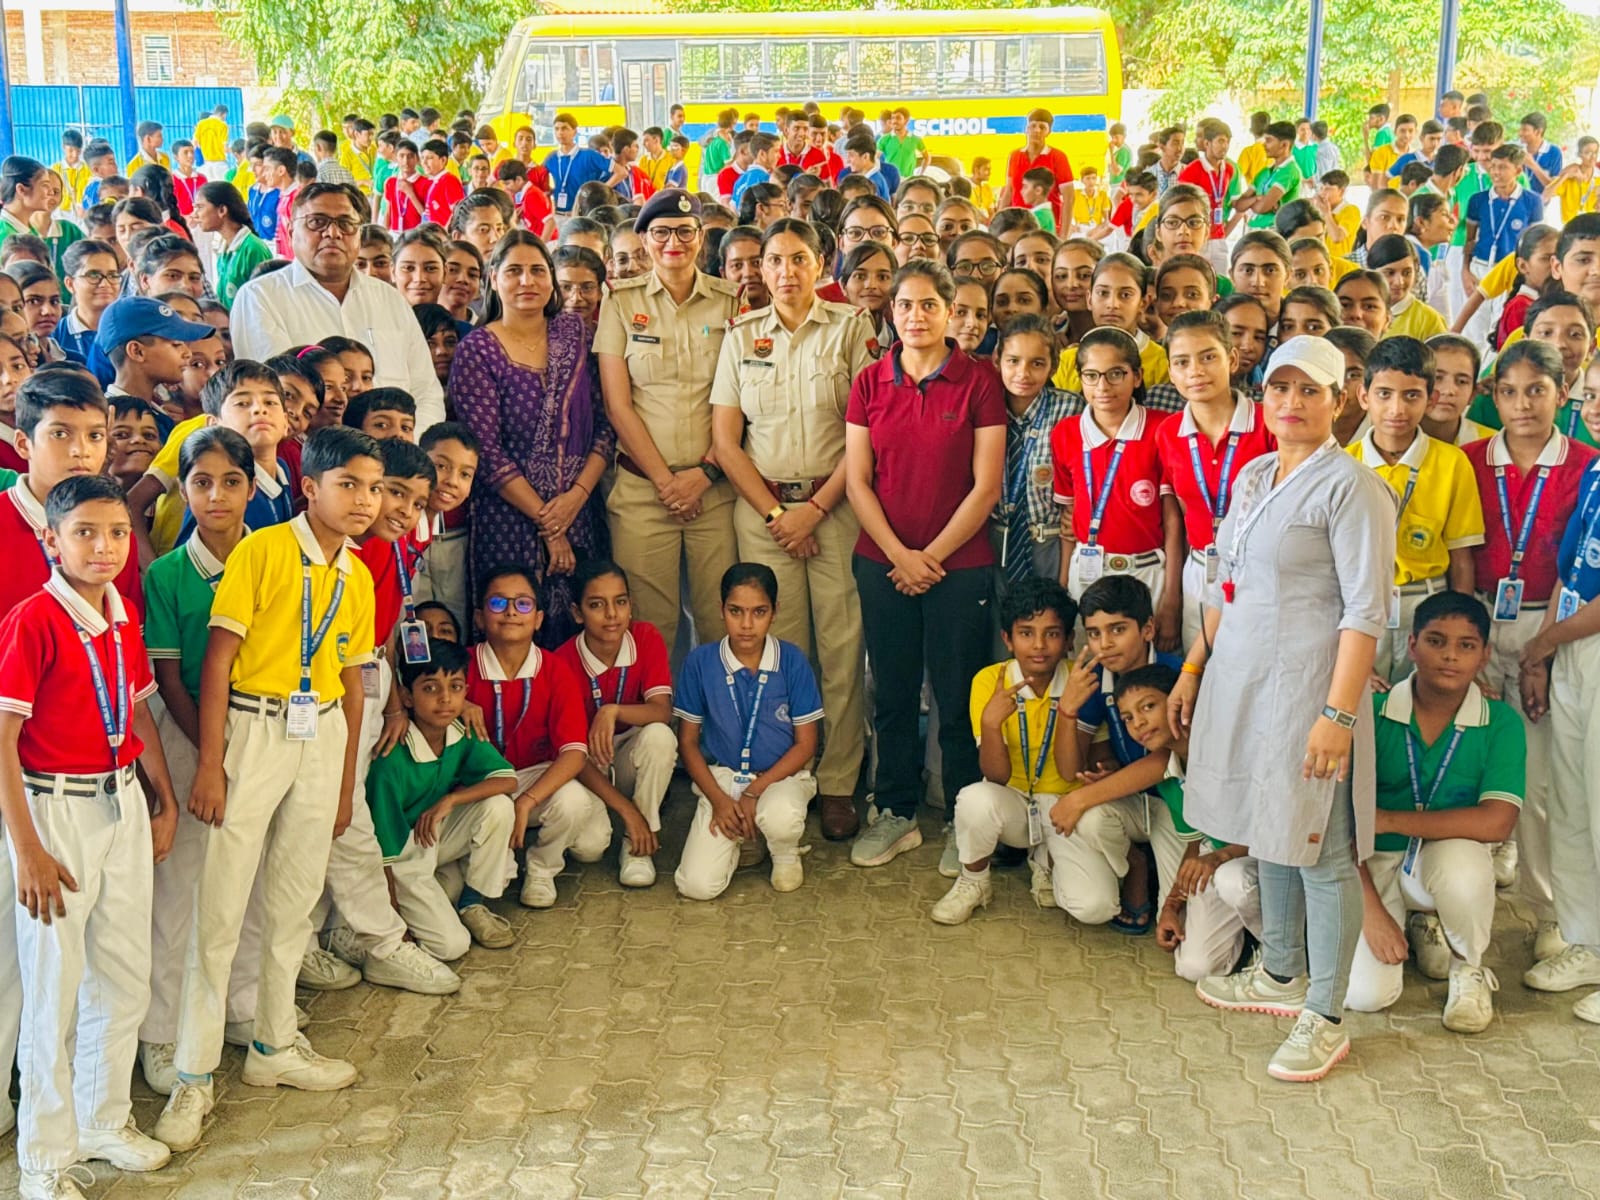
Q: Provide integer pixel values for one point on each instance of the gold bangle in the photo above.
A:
(1194, 669)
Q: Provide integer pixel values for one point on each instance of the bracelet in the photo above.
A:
(774, 513)
(1190, 668)
(811, 500)
(579, 483)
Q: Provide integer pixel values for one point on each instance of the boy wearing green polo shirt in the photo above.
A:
(1278, 183)
(1450, 772)
(441, 798)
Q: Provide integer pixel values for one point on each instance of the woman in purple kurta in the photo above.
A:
(526, 384)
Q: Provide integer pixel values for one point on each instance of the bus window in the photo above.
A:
(559, 74)
(700, 71)
(875, 67)
(830, 69)
(605, 58)
(919, 72)
(1083, 64)
(789, 67)
(741, 68)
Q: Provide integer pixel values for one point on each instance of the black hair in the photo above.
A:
(512, 240)
(1404, 354)
(436, 318)
(1541, 356)
(1352, 339)
(444, 658)
(1021, 325)
(1585, 227)
(439, 606)
(334, 446)
(376, 400)
(1454, 342)
(591, 569)
(240, 370)
(1295, 215)
(18, 171)
(1031, 277)
(69, 387)
(1119, 595)
(803, 230)
(1034, 595)
(159, 251)
(1388, 250)
(1324, 300)
(80, 489)
(1556, 298)
(339, 344)
(290, 364)
(934, 272)
(1451, 604)
(124, 405)
(1158, 677)
(1206, 321)
(215, 437)
(510, 570)
(406, 460)
(452, 431)
(81, 249)
(756, 194)
(757, 575)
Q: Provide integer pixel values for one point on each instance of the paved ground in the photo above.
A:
(834, 1042)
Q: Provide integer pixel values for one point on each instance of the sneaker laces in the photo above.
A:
(189, 1096)
(77, 1174)
(1304, 1031)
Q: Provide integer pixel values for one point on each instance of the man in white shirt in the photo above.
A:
(321, 294)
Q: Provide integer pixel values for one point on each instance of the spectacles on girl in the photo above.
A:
(524, 605)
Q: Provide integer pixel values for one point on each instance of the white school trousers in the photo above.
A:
(1453, 877)
(573, 818)
(1393, 658)
(709, 859)
(1215, 921)
(1095, 858)
(478, 834)
(1194, 597)
(10, 972)
(1506, 641)
(172, 906)
(357, 893)
(85, 976)
(644, 758)
(1575, 790)
(283, 796)
(1151, 574)
(988, 814)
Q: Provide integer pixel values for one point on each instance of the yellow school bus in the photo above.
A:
(968, 77)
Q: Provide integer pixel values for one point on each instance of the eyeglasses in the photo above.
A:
(98, 278)
(926, 240)
(662, 234)
(1177, 223)
(321, 223)
(1115, 376)
(860, 233)
(523, 604)
(978, 266)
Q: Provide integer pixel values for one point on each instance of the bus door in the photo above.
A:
(647, 82)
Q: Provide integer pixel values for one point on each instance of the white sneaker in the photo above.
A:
(342, 942)
(180, 1122)
(1042, 885)
(1574, 967)
(787, 876)
(323, 972)
(1505, 864)
(297, 1065)
(1470, 1006)
(489, 929)
(1313, 1048)
(1588, 1009)
(538, 891)
(125, 1149)
(1547, 941)
(53, 1185)
(412, 969)
(635, 870)
(964, 898)
(160, 1072)
(1428, 944)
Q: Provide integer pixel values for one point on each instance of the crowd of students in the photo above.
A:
(535, 482)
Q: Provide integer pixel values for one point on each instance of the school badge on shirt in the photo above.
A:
(763, 347)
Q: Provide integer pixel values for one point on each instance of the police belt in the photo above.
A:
(795, 491)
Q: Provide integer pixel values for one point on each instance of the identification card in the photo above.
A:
(1394, 608)
(302, 716)
(1508, 599)
(561, 201)
(740, 782)
(1408, 864)
(1567, 604)
(370, 680)
(414, 641)
(1035, 823)
(1216, 216)
(1091, 564)
(1212, 561)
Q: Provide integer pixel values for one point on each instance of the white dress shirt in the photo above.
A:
(290, 308)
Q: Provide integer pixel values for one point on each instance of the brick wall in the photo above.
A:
(79, 48)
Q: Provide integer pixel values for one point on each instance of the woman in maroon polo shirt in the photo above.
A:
(925, 441)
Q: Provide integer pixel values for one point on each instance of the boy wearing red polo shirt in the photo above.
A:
(1528, 479)
(82, 840)
(1203, 450)
(1036, 152)
(1108, 479)
(1218, 178)
(61, 432)
(632, 750)
(440, 187)
(534, 709)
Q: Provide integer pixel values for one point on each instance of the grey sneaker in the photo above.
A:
(489, 929)
(963, 899)
(884, 840)
(1504, 858)
(1426, 936)
(1312, 1049)
(1547, 941)
(160, 1072)
(950, 859)
(1253, 990)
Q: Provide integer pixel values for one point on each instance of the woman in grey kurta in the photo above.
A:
(1280, 746)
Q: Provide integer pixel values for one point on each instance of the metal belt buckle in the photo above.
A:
(1118, 562)
(792, 493)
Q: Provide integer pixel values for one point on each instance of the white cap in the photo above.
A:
(1316, 356)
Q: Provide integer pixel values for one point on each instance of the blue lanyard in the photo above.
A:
(1439, 773)
(1219, 507)
(115, 723)
(1494, 238)
(310, 642)
(1099, 510)
(1018, 475)
(1044, 749)
(1588, 518)
(1519, 546)
(749, 725)
(403, 572)
(500, 715)
(594, 687)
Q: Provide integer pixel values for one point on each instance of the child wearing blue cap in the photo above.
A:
(147, 343)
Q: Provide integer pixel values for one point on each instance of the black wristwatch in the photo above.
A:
(713, 472)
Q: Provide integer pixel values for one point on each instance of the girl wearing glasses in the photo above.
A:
(915, 239)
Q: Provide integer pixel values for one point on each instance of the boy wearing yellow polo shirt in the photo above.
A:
(1015, 720)
(1440, 517)
(1383, 157)
(291, 624)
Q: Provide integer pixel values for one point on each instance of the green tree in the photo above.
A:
(369, 56)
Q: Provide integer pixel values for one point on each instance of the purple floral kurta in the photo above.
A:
(541, 425)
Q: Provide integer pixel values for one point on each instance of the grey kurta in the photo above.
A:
(1308, 558)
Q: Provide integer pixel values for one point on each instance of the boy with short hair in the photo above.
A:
(1385, 155)
(148, 345)
(383, 413)
(1343, 218)
(442, 572)
(1496, 218)
(1037, 184)
(1219, 179)
(134, 440)
(186, 179)
(1091, 206)
(1278, 182)
(1449, 786)
(81, 841)
(440, 798)
(150, 135)
(1014, 713)
(74, 171)
(1543, 157)
(1440, 517)
(280, 689)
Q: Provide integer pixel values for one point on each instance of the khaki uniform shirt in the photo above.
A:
(793, 387)
(671, 355)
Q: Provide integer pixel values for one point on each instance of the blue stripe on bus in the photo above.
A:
(966, 126)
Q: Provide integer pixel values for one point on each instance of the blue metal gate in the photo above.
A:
(40, 113)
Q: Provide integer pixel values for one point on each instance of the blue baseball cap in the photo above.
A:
(140, 316)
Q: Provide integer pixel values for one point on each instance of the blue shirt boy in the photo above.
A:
(1501, 220)
(1099, 710)
(716, 691)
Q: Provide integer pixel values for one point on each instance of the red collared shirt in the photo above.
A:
(22, 551)
(922, 441)
(1215, 185)
(388, 598)
(440, 195)
(1052, 160)
(1131, 523)
(541, 707)
(1173, 440)
(1567, 460)
(643, 656)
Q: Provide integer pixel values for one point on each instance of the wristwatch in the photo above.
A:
(713, 472)
(1339, 717)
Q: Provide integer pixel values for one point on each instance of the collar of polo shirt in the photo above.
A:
(1242, 421)
(417, 742)
(627, 654)
(489, 664)
(1553, 454)
(1399, 704)
(731, 664)
(1415, 453)
(1058, 682)
(1131, 429)
(80, 610)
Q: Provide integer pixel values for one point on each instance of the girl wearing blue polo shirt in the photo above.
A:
(749, 708)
